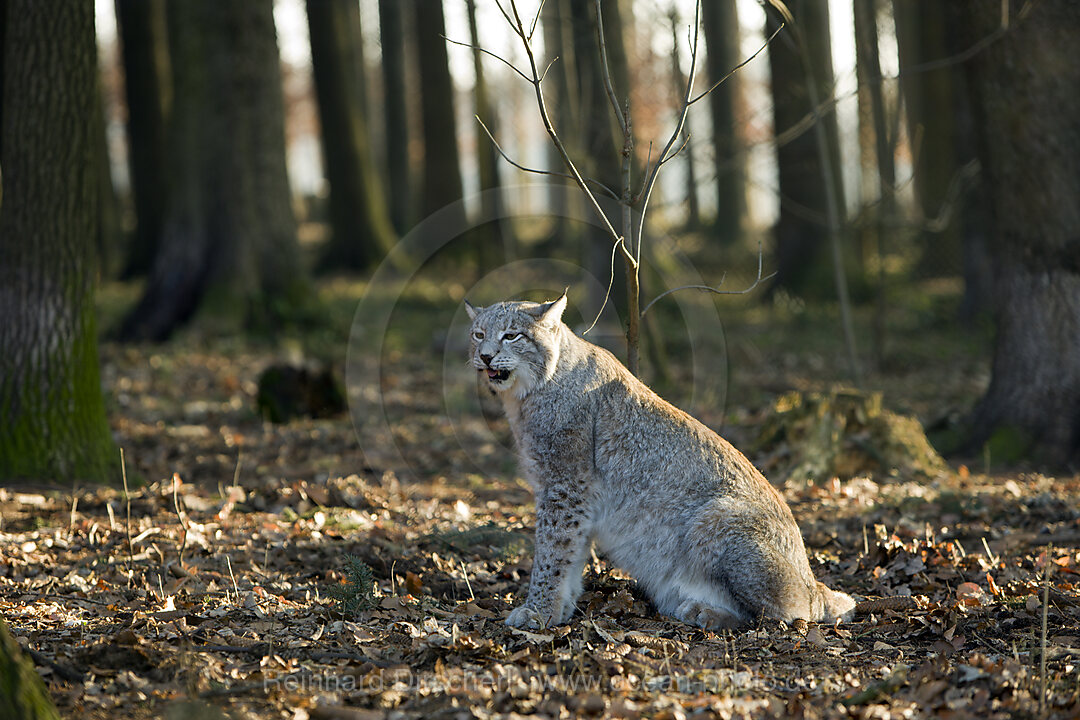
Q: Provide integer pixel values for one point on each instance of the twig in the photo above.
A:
(715, 289)
(607, 294)
(500, 58)
(1042, 636)
(236, 588)
(741, 65)
(536, 19)
(550, 128)
(179, 516)
(608, 191)
(608, 87)
(465, 572)
(127, 503)
(661, 159)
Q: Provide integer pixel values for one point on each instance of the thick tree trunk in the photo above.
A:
(145, 54)
(1026, 90)
(360, 222)
(442, 169)
(721, 26)
(392, 34)
(802, 229)
(52, 416)
(228, 247)
(22, 693)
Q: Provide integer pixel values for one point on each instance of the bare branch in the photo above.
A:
(608, 191)
(611, 282)
(606, 71)
(536, 19)
(685, 142)
(501, 59)
(555, 139)
(741, 65)
(660, 160)
(510, 22)
(548, 68)
(716, 289)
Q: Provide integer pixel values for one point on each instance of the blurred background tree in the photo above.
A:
(228, 238)
(241, 164)
(361, 232)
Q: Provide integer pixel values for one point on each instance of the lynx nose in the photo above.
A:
(486, 358)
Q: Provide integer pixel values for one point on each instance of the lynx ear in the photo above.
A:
(473, 311)
(550, 313)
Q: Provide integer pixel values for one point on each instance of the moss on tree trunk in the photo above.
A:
(52, 415)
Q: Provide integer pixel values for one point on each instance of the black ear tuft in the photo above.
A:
(473, 311)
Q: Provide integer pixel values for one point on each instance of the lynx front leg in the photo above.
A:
(562, 540)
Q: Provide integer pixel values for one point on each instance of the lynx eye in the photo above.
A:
(478, 335)
(511, 337)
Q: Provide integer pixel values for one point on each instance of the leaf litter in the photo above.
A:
(283, 573)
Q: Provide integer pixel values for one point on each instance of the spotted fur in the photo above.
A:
(661, 495)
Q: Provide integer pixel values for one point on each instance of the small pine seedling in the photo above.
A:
(357, 593)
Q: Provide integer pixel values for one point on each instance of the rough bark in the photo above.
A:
(361, 230)
(1026, 95)
(442, 168)
(145, 55)
(22, 693)
(721, 29)
(228, 246)
(801, 231)
(930, 95)
(52, 415)
(392, 34)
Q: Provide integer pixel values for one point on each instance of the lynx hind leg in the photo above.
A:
(759, 560)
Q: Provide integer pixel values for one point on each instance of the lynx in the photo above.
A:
(663, 497)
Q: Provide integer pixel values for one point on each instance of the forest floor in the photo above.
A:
(231, 581)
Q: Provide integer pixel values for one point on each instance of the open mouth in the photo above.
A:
(497, 375)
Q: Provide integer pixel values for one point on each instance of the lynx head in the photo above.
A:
(516, 343)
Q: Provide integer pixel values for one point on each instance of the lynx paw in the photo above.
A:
(526, 618)
(705, 616)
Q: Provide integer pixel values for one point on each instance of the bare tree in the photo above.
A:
(626, 241)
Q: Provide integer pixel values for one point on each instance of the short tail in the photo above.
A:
(836, 605)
